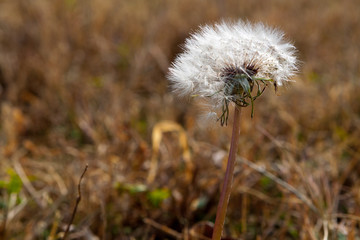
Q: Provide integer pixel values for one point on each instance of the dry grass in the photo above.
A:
(84, 82)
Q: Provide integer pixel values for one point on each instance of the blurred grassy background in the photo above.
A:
(84, 81)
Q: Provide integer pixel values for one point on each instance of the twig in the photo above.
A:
(78, 199)
(163, 228)
(25, 180)
(326, 230)
(15, 209)
(348, 216)
(284, 184)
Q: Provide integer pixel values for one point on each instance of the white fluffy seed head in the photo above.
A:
(199, 69)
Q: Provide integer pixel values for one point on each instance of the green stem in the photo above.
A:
(226, 190)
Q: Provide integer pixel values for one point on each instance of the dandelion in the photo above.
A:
(225, 62)
(232, 64)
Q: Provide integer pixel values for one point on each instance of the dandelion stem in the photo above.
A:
(226, 190)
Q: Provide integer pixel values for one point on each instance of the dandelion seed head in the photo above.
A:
(215, 54)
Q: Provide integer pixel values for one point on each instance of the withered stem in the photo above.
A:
(78, 199)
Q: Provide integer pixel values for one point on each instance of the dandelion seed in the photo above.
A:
(225, 62)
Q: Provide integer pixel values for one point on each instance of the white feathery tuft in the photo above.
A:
(207, 52)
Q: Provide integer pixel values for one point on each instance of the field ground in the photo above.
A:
(84, 82)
